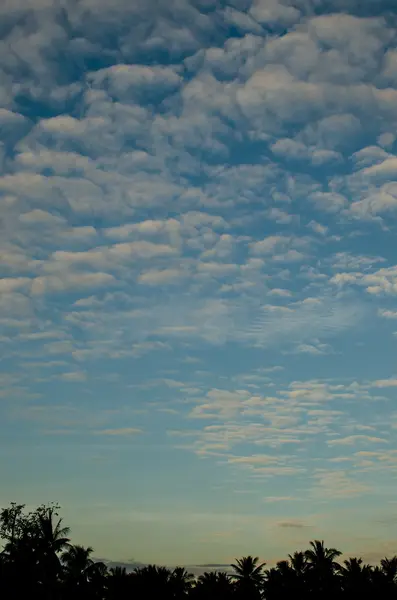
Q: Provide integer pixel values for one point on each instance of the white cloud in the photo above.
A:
(9, 284)
(387, 168)
(270, 244)
(216, 268)
(129, 82)
(318, 228)
(386, 139)
(255, 459)
(354, 439)
(160, 277)
(328, 201)
(337, 484)
(282, 293)
(70, 281)
(41, 335)
(387, 314)
(148, 227)
(382, 281)
(83, 234)
(281, 217)
(314, 349)
(8, 117)
(274, 11)
(368, 156)
(73, 376)
(141, 249)
(41, 217)
(384, 383)
(290, 149)
(276, 499)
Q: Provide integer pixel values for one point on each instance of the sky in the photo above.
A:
(198, 282)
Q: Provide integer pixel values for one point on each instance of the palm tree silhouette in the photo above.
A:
(214, 585)
(320, 557)
(181, 582)
(152, 581)
(77, 569)
(53, 534)
(118, 583)
(356, 577)
(249, 576)
(389, 568)
(298, 562)
(38, 560)
(52, 539)
(77, 560)
(353, 567)
(249, 569)
(97, 581)
(322, 568)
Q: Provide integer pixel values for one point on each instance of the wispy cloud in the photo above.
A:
(122, 431)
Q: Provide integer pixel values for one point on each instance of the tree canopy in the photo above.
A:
(38, 559)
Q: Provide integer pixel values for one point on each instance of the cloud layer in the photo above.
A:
(197, 259)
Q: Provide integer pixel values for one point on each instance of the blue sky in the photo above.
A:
(199, 274)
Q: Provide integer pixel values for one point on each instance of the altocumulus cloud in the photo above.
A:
(197, 256)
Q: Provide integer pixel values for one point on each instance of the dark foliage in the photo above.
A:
(38, 560)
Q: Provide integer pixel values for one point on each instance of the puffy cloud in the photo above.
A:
(387, 169)
(328, 201)
(318, 228)
(274, 12)
(290, 149)
(70, 281)
(269, 244)
(9, 284)
(41, 217)
(381, 281)
(131, 83)
(282, 293)
(160, 277)
(216, 268)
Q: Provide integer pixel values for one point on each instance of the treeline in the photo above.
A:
(38, 560)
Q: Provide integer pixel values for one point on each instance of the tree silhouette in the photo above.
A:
(298, 562)
(118, 584)
(389, 568)
(215, 585)
(37, 559)
(152, 581)
(320, 557)
(322, 569)
(356, 578)
(52, 539)
(77, 570)
(181, 583)
(249, 576)
(32, 543)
